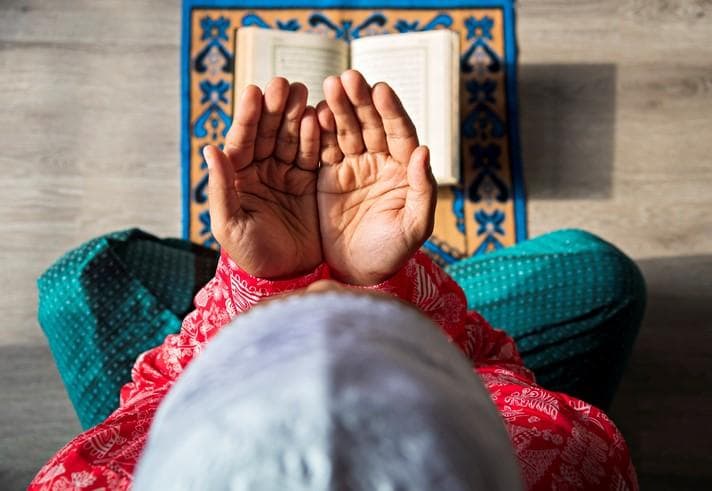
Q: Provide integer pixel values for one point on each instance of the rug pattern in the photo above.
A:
(485, 212)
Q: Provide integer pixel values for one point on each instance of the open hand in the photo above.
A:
(376, 194)
(262, 187)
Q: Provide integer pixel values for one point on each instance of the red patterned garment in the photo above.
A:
(561, 442)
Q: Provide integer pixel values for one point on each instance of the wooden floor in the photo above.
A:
(616, 102)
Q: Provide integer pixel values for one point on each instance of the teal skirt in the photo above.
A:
(572, 302)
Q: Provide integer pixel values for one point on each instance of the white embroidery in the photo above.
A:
(535, 398)
(427, 297)
(82, 479)
(536, 463)
(201, 298)
(243, 294)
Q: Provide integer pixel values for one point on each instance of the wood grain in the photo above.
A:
(617, 109)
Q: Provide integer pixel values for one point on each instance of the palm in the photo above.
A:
(278, 229)
(375, 194)
(359, 213)
(263, 187)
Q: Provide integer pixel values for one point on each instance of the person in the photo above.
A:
(329, 390)
(344, 192)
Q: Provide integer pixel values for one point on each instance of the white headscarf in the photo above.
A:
(328, 391)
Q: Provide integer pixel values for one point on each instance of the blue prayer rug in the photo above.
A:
(485, 212)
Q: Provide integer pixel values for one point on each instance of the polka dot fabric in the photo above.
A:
(572, 302)
(107, 301)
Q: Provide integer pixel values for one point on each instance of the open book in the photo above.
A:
(422, 67)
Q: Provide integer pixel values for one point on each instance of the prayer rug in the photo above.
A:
(485, 212)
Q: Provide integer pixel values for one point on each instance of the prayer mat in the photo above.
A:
(485, 212)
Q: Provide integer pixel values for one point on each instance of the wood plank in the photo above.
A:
(616, 106)
(664, 399)
(37, 416)
(629, 31)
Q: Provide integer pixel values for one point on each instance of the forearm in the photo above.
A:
(423, 284)
(231, 292)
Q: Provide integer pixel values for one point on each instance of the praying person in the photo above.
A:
(344, 193)
(329, 390)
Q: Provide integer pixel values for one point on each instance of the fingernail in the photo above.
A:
(205, 157)
(426, 159)
(425, 150)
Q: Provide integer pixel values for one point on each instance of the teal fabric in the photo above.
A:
(104, 303)
(572, 302)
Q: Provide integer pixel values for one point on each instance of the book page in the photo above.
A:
(419, 67)
(299, 57)
(406, 70)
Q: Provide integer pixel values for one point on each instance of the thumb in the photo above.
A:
(222, 197)
(420, 200)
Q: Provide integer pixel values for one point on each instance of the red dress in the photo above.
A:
(561, 442)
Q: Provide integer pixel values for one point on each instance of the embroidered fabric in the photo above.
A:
(559, 441)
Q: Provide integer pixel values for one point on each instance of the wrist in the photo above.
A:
(244, 289)
(270, 268)
(365, 278)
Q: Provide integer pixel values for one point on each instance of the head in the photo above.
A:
(330, 389)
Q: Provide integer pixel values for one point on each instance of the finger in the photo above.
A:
(420, 200)
(348, 129)
(288, 136)
(329, 151)
(308, 154)
(359, 94)
(222, 196)
(240, 140)
(275, 99)
(400, 131)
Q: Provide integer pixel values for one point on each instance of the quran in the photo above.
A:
(422, 67)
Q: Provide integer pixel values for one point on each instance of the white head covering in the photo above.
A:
(328, 391)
